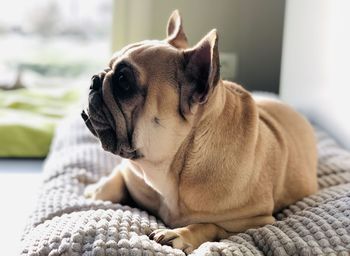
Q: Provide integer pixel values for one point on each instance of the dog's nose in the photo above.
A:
(95, 83)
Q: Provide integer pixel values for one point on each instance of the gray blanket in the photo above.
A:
(65, 223)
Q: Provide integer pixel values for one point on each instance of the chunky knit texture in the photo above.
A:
(65, 223)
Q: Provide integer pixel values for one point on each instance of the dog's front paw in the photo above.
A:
(103, 190)
(178, 238)
(96, 191)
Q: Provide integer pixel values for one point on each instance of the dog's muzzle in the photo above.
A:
(101, 123)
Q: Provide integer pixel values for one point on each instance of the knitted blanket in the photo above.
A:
(65, 223)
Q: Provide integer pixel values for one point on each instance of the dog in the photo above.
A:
(199, 152)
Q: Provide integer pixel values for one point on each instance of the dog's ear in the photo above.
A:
(175, 33)
(202, 71)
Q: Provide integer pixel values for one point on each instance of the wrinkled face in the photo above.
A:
(134, 105)
(143, 105)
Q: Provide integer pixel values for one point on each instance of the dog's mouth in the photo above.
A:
(88, 123)
(101, 124)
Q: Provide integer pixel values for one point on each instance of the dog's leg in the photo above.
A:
(190, 237)
(111, 188)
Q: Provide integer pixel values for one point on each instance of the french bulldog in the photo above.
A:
(199, 152)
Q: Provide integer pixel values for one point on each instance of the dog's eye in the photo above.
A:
(123, 81)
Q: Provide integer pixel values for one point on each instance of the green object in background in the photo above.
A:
(28, 118)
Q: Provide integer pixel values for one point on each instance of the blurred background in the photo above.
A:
(48, 51)
(298, 49)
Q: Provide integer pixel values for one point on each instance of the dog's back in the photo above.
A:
(295, 136)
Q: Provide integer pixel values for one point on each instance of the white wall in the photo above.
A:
(315, 64)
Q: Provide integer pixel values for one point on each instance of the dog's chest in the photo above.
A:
(165, 184)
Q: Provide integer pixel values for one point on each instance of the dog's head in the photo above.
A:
(143, 105)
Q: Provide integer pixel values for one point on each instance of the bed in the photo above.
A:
(65, 223)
